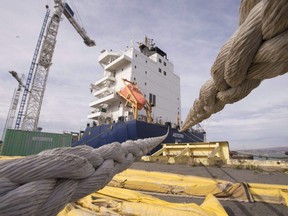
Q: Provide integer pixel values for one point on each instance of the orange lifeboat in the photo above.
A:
(132, 92)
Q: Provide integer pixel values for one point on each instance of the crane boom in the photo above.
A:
(32, 113)
(70, 16)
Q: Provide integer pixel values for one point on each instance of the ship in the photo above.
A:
(137, 97)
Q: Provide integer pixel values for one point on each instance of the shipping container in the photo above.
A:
(23, 143)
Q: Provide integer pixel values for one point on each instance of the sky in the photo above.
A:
(191, 32)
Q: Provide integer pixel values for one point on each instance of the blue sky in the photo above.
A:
(191, 32)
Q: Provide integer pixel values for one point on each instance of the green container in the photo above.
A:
(23, 143)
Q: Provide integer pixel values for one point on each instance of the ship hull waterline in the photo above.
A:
(97, 136)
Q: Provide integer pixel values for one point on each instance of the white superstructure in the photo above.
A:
(154, 74)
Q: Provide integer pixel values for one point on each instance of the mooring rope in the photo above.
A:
(258, 50)
(43, 184)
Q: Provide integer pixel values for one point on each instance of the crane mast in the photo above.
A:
(32, 113)
(30, 74)
(14, 102)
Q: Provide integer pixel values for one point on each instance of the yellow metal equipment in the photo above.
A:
(207, 153)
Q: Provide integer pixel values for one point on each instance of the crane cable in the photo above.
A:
(78, 17)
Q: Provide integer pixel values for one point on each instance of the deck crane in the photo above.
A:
(32, 112)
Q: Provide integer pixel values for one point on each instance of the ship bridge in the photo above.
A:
(110, 60)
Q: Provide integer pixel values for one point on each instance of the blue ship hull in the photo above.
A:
(97, 136)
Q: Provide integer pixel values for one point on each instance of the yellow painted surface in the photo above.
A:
(207, 153)
(118, 201)
(269, 193)
(9, 157)
(199, 186)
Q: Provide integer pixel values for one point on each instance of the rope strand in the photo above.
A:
(43, 184)
(256, 51)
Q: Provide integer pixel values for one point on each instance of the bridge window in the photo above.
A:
(152, 99)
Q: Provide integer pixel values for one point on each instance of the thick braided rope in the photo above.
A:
(258, 50)
(43, 184)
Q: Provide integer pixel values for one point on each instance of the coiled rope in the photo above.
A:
(258, 50)
(43, 184)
